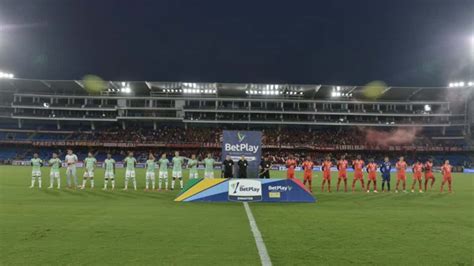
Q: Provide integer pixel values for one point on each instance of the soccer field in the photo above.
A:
(136, 227)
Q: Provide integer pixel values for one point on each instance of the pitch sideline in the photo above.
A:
(262, 249)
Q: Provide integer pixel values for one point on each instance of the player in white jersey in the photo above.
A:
(130, 163)
(71, 160)
(177, 172)
(150, 172)
(209, 166)
(109, 165)
(109, 174)
(36, 164)
(163, 172)
(55, 164)
(89, 164)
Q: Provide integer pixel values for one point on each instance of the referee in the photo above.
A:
(243, 167)
(228, 167)
(265, 166)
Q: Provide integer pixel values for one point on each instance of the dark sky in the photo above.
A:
(402, 42)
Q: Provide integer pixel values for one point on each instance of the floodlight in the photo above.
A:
(427, 108)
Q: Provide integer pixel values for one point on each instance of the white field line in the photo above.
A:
(262, 249)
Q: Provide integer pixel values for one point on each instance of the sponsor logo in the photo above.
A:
(241, 136)
(245, 190)
(274, 195)
(280, 188)
(242, 147)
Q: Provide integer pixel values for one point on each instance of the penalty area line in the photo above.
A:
(262, 249)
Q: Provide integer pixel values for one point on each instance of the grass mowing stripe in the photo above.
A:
(262, 249)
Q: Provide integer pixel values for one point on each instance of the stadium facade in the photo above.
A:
(256, 105)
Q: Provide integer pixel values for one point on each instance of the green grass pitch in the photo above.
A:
(51, 227)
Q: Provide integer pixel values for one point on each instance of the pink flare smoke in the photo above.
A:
(399, 136)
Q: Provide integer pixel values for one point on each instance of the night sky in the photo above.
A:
(402, 42)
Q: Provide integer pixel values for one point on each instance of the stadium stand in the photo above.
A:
(45, 115)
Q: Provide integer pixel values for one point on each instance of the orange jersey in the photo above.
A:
(372, 167)
(326, 167)
(358, 165)
(401, 167)
(417, 168)
(429, 167)
(446, 170)
(308, 166)
(342, 166)
(291, 164)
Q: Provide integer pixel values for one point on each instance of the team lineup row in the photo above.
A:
(177, 166)
(371, 168)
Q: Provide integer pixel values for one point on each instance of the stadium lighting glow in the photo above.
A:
(4, 75)
(460, 84)
(46, 105)
(427, 108)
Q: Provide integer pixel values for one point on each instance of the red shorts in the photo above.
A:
(308, 176)
(327, 175)
(358, 176)
(417, 177)
(342, 175)
(372, 176)
(290, 174)
(447, 178)
(401, 177)
(429, 176)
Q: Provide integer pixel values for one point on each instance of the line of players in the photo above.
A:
(129, 162)
(177, 165)
(371, 168)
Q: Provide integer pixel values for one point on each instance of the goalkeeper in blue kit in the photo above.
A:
(385, 169)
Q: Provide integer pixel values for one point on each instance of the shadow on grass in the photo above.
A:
(52, 192)
(73, 192)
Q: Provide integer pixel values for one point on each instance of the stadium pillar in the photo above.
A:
(92, 126)
(123, 125)
(154, 125)
(19, 123)
(58, 125)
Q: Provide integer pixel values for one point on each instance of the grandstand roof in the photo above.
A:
(245, 90)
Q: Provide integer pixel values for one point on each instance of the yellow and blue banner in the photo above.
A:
(250, 190)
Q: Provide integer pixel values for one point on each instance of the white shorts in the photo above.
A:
(209, 174)
(177, 174)
(150, 175)
(36, 173)
(130, 174)
(54, 174)
(89, 173)
(109, 175)
(193, 175)
(163, 175)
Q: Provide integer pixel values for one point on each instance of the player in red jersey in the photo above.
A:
(429, 174)
(342, 172)
(326, 168)
(308, 172)
(291, 165)
(417, 170)
(401, 174)
(372, 170)
(358, 165)
(446, 171)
